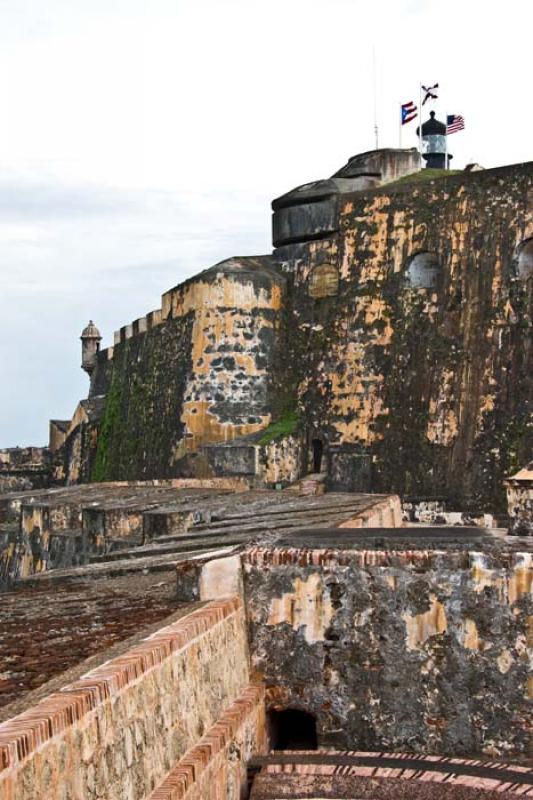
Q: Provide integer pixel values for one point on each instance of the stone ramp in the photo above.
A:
(336, 775)
(147, 564)
(248, 517)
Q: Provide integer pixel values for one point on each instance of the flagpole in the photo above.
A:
(446, 141)
(400, 131)
(375, 96)
(420, 127)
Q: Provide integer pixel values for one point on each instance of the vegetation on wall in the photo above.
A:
(141, 422)
(286, 425)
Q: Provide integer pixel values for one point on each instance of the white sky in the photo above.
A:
(143, 141)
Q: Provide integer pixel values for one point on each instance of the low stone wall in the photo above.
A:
(281, 461)
(417, 649)
(117, 731)
(216, 767)
(385, 513)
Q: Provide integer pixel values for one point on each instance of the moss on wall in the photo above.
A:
(286, 425)
(141, 426)
(435, 384)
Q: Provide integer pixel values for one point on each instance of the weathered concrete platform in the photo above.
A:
(153, 525)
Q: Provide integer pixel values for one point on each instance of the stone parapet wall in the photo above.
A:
(117, 731)
(23, 468)
(414, 648)
(216, 766)
(520, 502)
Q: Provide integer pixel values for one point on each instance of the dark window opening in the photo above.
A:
(525, 260)
(423, 271)
(318, 451)
(292, 730)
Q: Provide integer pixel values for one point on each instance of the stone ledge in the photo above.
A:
(23, 735)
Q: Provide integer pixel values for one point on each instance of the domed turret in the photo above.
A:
(90, 345)
(434, 143)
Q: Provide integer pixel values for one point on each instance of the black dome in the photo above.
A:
(432, 126)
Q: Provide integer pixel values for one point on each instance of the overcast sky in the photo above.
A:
(141, 141)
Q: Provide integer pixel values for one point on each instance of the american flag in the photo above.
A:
(454, 123)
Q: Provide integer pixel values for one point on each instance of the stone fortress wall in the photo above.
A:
(24, 468)
(396, 338)
(199, 374)
(411, 329)
(397, 648)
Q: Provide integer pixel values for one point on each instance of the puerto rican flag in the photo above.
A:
(409, 112)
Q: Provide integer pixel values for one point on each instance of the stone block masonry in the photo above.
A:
(117, 731)
(405, 645)
(216, 767)
(420, 359)
(389, 341)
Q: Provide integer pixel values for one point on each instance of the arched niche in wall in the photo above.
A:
(323, 281)
(423, 271)
(525, 260)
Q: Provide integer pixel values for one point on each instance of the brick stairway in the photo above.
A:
(329, 775)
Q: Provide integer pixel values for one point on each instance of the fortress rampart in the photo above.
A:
(396, 340)
(410, 330)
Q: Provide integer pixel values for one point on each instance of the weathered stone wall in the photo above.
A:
(24, 468)
(65, 528)
(117, 732)
(198, 376)
(421, 650)
(216, 767)
(402, 341)
(140, 427)
(281, 461)
(426, 370)
(236, 315)
(266, 463)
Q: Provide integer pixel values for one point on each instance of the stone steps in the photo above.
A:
(302, 517)
(187, 545)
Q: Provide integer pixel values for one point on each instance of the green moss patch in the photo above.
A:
(284, 426)
(426, 175)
